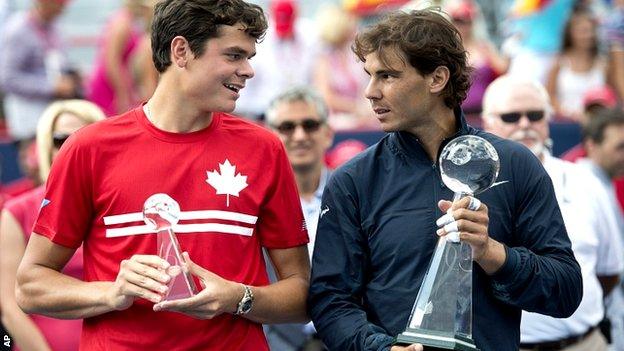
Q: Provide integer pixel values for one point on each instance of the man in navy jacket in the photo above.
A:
(377, 230)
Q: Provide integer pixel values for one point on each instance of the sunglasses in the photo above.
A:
(59, 139)
(308, 125)
(514, 117)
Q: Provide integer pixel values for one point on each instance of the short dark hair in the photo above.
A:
(198, 21)
(428, 40)
(595, 128)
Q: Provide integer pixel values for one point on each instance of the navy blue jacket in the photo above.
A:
(376, 237)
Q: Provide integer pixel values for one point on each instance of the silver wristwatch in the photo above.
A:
(246, 303)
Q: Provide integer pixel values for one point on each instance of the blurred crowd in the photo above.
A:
(575, 48)
(572, 46)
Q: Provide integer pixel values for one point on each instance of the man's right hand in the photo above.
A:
(412, 347)
(141, 276)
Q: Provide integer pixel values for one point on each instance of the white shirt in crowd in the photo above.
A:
(593, 229)
(312, 209)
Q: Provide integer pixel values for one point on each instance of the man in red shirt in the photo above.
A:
(231, 178)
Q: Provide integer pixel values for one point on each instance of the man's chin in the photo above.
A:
(303, 167)
(536, 148)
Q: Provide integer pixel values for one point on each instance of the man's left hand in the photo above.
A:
(218, 296)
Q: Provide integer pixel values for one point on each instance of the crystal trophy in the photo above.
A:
(442, 315)
(161, 213)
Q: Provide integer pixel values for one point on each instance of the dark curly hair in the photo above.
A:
(427, 40)
(198, 21)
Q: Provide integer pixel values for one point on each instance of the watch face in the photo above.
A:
(246, 306)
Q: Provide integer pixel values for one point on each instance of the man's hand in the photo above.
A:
(141, 276)
(218, 296)
(412, 347)
(472, 225)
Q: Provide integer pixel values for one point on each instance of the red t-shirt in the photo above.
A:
(61, 334)
(235, 189)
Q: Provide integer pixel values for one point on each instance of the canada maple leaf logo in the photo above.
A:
(225, 182)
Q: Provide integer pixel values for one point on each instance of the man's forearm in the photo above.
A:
(494, 257)
(281, 302)
(42, 290)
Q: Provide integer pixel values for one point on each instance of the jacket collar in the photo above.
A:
(405, 144)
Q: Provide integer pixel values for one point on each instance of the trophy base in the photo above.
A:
(436, 340)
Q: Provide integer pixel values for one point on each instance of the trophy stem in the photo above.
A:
(183, 264)
(181, 284)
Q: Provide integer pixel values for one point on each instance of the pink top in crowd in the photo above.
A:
(60, 334)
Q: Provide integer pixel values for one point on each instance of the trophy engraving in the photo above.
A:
(161, 213)
(442, 314)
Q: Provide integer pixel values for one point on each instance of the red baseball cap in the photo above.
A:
(463, 9)
(284, 15)
(343, 152)
(603, 96)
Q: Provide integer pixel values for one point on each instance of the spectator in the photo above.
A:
(234, 186)
(143, 69)
(482, 55)
(35, 71)
(59, 121)
(578, 68)
(594, 101)
(614, 30)
(377, 234)
(536, 31)
(519, 110)
(338, 76)
(603, 138)
(299, 117)
(112, 85)
(284, 60)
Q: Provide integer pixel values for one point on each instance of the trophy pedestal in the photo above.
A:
(436, 340)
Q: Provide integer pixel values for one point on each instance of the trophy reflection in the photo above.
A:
(161, 212)
(442, 314)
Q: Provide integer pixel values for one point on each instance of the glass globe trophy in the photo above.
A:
(442, 314)
(161, 213)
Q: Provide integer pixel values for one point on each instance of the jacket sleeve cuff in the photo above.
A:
(503, 280)
(379, 342)
(505, 274)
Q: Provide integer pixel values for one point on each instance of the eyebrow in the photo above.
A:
(383, 71)
(239, 50)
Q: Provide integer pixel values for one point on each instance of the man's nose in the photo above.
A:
(524, 121)
(299, 133)
(372, 92)
(246, 70)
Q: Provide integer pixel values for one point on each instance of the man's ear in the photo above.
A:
(329, 137)
(438, 79)
(180, 51)
(590, 146)
(487, 123)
